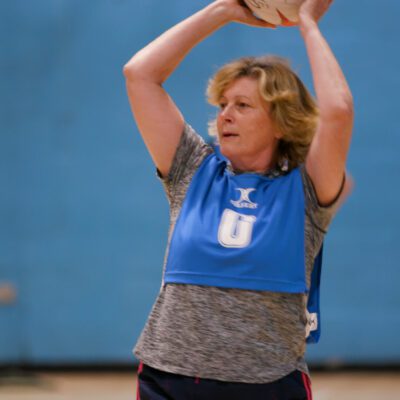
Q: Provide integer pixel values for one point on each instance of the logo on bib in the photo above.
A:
(312, 323)
(244, 200)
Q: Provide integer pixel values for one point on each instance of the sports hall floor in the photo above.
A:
(369, 385)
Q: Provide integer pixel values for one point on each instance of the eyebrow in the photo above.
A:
(236, 96)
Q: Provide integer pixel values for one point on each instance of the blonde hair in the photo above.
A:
(292, 108)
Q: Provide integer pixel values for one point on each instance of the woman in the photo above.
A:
(240, 283)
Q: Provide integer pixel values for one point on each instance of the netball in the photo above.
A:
(276, 12)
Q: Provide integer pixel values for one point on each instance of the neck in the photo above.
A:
(260, 163)
(260, 168)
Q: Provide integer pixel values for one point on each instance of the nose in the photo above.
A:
(226, 114)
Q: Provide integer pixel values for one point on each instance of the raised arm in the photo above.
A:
(158, 118)
(326, 159)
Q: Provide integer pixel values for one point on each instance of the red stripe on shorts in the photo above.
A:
(307, 385)
(140, 369)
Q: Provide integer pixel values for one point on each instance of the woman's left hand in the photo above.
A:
(313, 10)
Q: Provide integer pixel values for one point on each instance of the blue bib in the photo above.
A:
(240, 231)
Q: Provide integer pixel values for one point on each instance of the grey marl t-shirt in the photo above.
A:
(228, 334)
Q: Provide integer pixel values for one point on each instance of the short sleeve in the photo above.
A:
(320, 215)
(191, 151)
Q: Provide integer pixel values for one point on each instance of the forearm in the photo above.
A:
(160, 58)
(333, 93)
(326, 158)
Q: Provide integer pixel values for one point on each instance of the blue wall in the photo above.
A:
(83, 218)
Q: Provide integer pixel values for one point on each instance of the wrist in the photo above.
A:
(222, 10)
(307, 24)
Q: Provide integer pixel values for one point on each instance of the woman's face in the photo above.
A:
(245, 129)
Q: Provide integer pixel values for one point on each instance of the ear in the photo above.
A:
(278, 135)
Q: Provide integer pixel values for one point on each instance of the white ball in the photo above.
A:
(271, 10)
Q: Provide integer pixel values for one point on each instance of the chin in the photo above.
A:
(228, 150)
(225, 150)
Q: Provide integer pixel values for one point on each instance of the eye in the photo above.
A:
(222, 105)
(242, 104)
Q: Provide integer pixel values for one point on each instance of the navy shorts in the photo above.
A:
(154, 384)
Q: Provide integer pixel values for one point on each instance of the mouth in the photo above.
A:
(229, 134)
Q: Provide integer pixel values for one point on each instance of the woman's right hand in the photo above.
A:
(237, 11)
